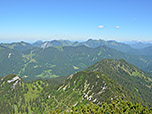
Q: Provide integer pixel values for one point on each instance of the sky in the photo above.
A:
(31, 20)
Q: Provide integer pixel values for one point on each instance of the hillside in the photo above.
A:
(126, 75)
(19, 46)
(36, 63)
(106, 81)
(10, 61)
(115, 107)
(40, 96)
(62, 61)
(147, 51)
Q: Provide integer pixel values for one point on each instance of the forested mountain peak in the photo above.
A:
(126, 75)
(118, 66)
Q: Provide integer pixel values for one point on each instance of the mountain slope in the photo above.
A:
(16, 95)
(54, 43)
(19, 46)
(84, 87)
(128, 76)
(60, 61)
(40, 96)
(147, 51)
(105, 81)
(10, 61)
(65, 60)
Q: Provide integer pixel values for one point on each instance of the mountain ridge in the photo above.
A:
(60, 61)
(127, 75)
(95, 84)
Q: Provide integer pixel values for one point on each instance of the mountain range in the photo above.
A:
(127, 47)
(139, 44)
(103, 82)
(61, 57)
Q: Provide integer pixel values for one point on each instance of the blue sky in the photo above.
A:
(31, 20)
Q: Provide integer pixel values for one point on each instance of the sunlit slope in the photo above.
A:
(127, 75)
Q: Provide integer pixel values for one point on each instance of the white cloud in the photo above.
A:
(101, 26)
(117, 26)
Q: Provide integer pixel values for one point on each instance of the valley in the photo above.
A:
(49, 62)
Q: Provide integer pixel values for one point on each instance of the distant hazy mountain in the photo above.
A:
(106, 81)
(19, 46)
(138, 45)
(133, 48)
(111, 43)
(147, 51)
(38, 43)
(89, 43)
(54, 43)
